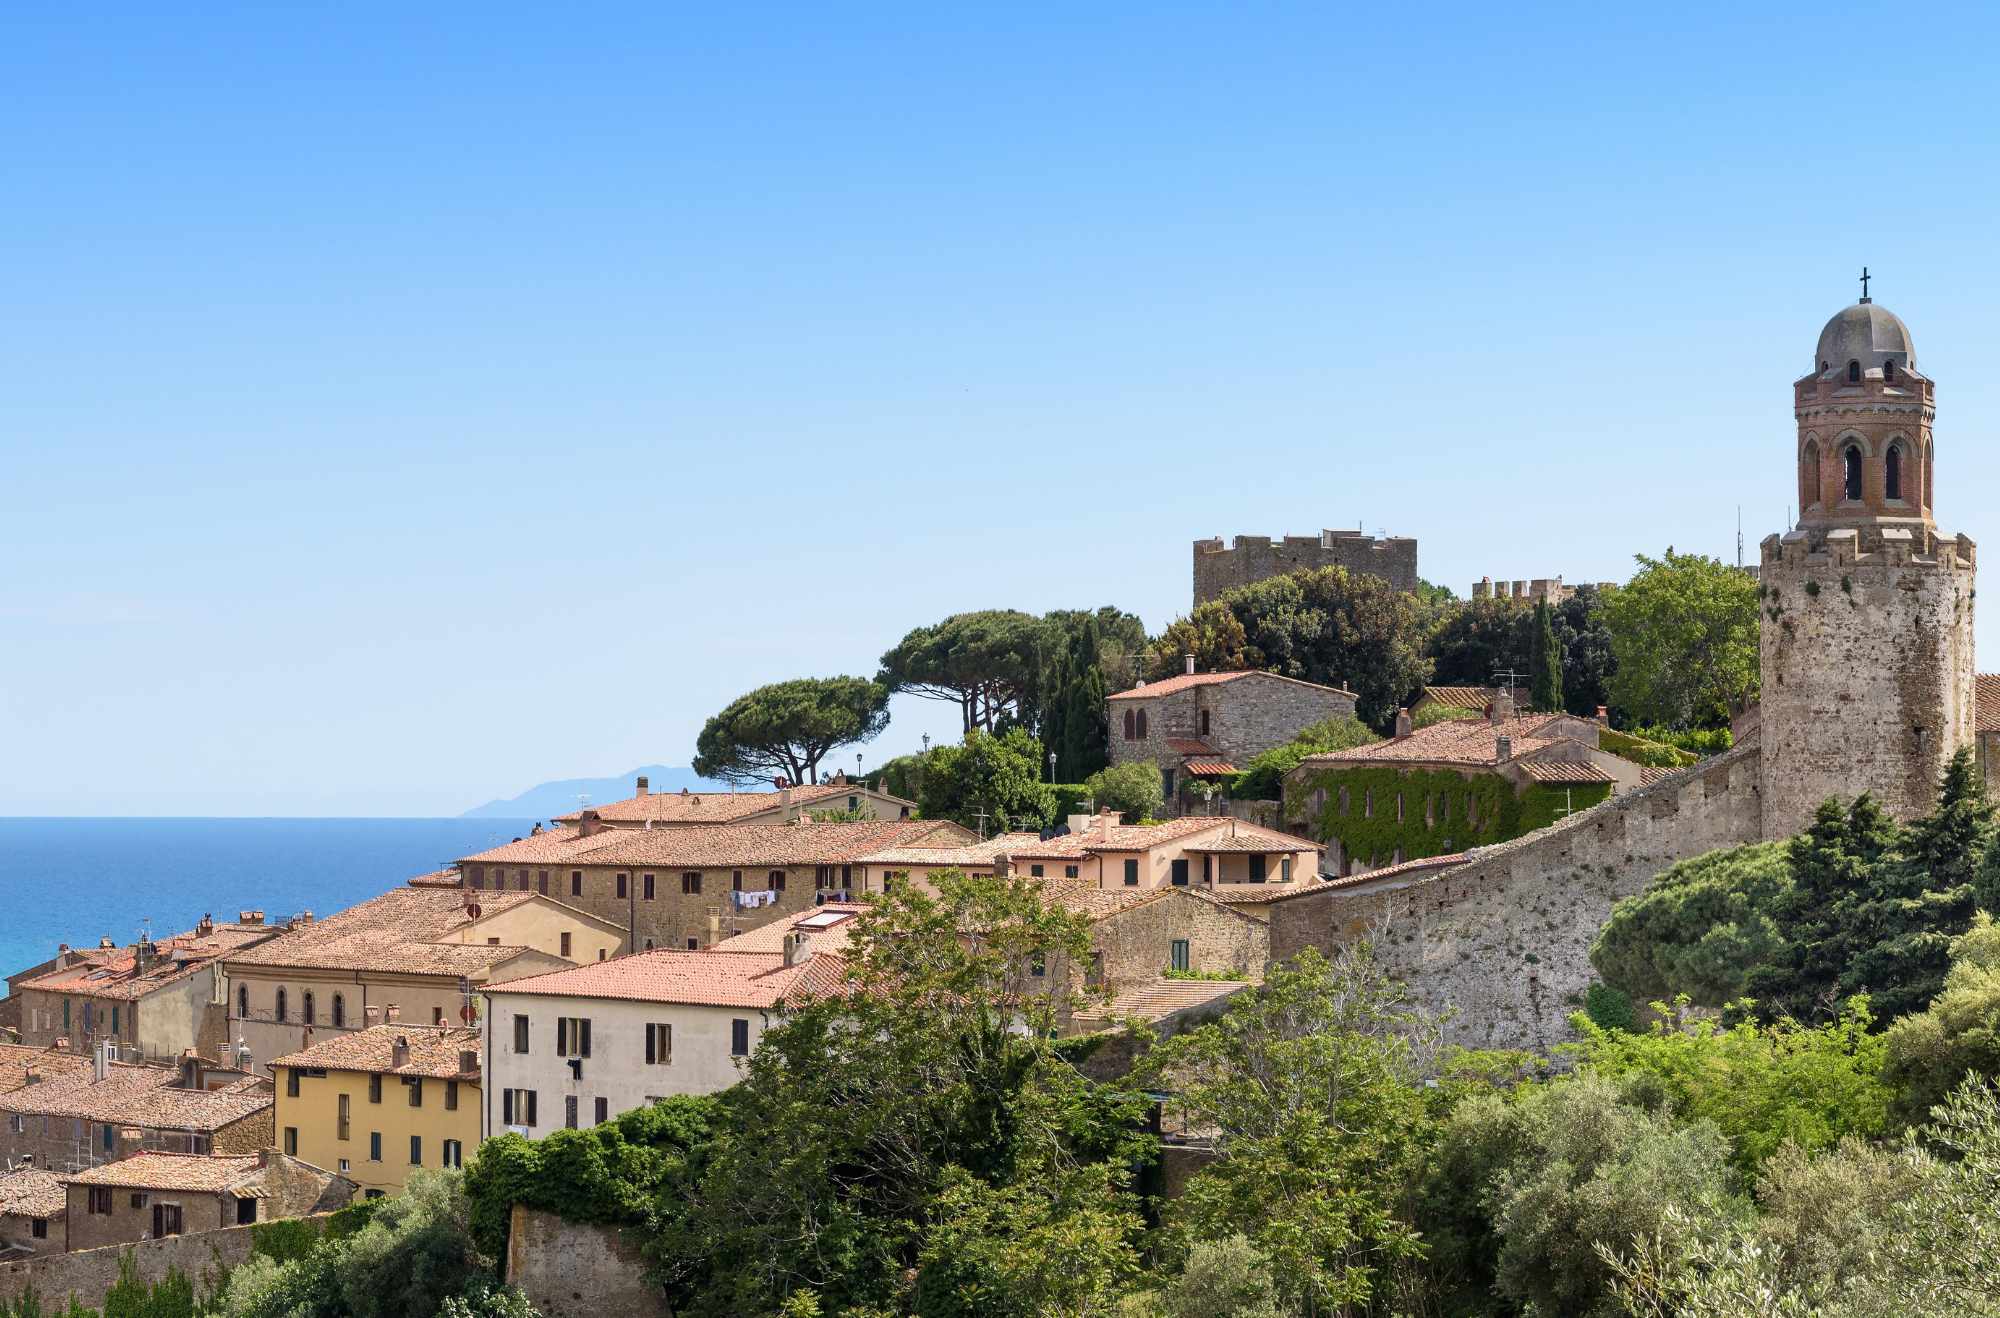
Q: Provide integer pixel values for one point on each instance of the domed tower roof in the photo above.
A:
(1868, 334)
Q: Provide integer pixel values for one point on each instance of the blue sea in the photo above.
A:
(78, 880)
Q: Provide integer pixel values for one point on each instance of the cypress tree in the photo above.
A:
(1545, 674)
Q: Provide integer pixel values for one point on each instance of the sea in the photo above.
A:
(78, 880)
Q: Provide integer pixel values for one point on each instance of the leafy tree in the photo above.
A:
(1437, 712)
(1263, 779)
(1226, 1278)
(1133, 787)
(1314, 1087)
(1587, 658)
(1469, 642)
(785, 729)
(997, 777)
(1073, 722)
(1545, 668)
(991, 663)
(1932, 1051)
(1213, 634)
(1684, 636)
(1700, 929)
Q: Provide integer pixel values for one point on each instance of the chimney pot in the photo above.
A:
(644, 787)
(1404, 724)
(1604, 716)
(399, 1052)
(796, 945)
(393, 1014)
(1503, 747)
(372, 1014)
(1190, 663)
(1502, 707)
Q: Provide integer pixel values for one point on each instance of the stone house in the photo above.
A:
(32, 1206)
(689, 888)
(1180, 853)
(149, 1196)
(377, 1104)
(879, 871)
(685, 809)
(112, 1109)
(575, 1048)
(1199, 726)
(422, 950)
(1451, 786)
(155, 998)
(1138, 934)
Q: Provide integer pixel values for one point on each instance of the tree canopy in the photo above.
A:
(783, 730)
(1683, 634)
(988, 662)
(988, 782)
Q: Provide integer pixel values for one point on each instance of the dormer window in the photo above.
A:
(1888, 372)
(1854, 372)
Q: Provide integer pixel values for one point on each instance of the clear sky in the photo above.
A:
(402, 405)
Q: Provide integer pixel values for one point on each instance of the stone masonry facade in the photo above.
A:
(1238, 719)
(1252, 558)
(1135, 946)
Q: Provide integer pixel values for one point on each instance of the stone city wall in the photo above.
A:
(1503, 941)
(1252, 558)
(575, 1270)
(88, 1274)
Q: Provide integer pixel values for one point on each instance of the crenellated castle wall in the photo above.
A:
(1252, 558)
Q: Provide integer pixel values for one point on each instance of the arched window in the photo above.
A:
(1809, 490)
(1930, 491)
(1892, 473)
(1854, 372)
(1888, 372)
(1142, 725)
(281, 1005)
(306, 1004)
(1852, 484)
(242, 1001)
(339, 1010)
(1204, 723)
(1131, 726)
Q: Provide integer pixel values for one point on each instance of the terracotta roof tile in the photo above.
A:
(32, 1192)
(1183, 681)
(727, 845)
(16, 1060)
(1144, 837)
(1085, 898)
(1256, 894)
(115, 976)
(400, 931)
(1209, 768)
(827, 929)
(980, 854)
(734, 979)
(171, 1171)
(1188, 746)
(434, 1051)
(1416, 866)
(1986, 703)
(724, 807)
(1158, 999)
(139, 1096)
(1563, 771)
(1455, 741)
(1470, 697)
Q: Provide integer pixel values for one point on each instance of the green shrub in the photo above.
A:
(1436, 712)
(1133, 788)
(1263, 779)
(1933, 1051)
(1610, 1008)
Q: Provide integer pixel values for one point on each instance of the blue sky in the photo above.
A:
(401, 408)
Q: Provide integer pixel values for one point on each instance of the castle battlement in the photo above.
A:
(1219, 569)
(1869, 547)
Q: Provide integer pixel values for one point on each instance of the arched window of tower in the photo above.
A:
(1852, 485)
(1809, 495)
(1854, 372)
(1888, 372)
(1892, 473)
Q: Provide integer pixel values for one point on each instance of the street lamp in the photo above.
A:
(927, 743)
(1052, 766)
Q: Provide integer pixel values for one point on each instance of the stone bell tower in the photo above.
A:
(1866, 630)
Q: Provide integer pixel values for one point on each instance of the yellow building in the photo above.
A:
(378, 1103)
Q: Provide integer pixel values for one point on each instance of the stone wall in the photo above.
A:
(1252, 558)
(1137, 944)
(1867, 662)
(573, 1270)
(88, 1274)
(1504, 940)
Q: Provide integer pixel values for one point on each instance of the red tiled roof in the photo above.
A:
(1455, 741)
(1144, 837)
(171, 1171)
(979, 855)
(115, 975)
(1652, 773)
(1209, 768)
(16, 1060)
(400, 931)
(1182, 681)
(1469, 697)
(719, 807)
(1986, 702)
(1188, 746)
(827, 929)
(434, 1051)
(32, 1192)
(1256, 894)
(732, 979)
(1562, 771)
(727, 845)
(144, 1096)
(1093, 903)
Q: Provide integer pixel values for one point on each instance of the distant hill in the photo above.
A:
(559, 798)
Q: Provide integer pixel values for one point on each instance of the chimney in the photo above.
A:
(536, 831)
(1603, 717)
(468, 1061)
(302, 919)
(784, 802)
(206, 929)
(1502, 707)
(372, 1015)
(643, 788)
(1503, 748)
(250, 919)
(394, 1014)
(399, 1052)
(1078, 823)
(1404, 725)
(31, 1074)
(100, 1065)
(1190, 663)
(264, 1157)
(796, 949)
(144, 954)
(105, 944)
(589, 824)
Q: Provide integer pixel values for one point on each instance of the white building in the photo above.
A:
(573, 1048)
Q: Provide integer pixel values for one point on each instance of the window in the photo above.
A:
(1854, 372)
(110, 1138)
(1069, 872)
(1892, 473)
(1142, 725)
(1208, 869)
(166, 1220)
(242, 1003)
(452, 1154)
(1204, 723)
(739, 1038)
(451, 1095)
(1038, 965)
(647, 880)
(437, 1015)
(622, 878)
(40, 1228)
(569, 1112)
(345, 1166)
(1178, 951)
(1180, 872)
(659, 1044)
(520, 1034)
(542, 882)
(517, 1107)
(339, 1010)
(1034, 871)
(281, 1005)
(342, 1130)
(602, 1109)
(1256, 869)
(777, 879)
(1809, 475)
(479, 876)
(305, 1007)
(572, 1036)
(375, 1088)
(416, 1150)
(1131, 726)
(691, 882)
(415, 1084)
(291, 1082)
(114, 1017)
(1851, 487)
(694, 945)
(1131, 872)
(292, 1141)
(576, 883)
(565, 944)
(493, 942)
(374, 1146)
(246, 1211)
(736, 880)
(521, 880)
(1284, 869)
(100, 1200)
(1167, 784)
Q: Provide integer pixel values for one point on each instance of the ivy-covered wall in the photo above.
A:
(1374, 811)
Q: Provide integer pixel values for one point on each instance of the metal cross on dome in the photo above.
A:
(1864, 283)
